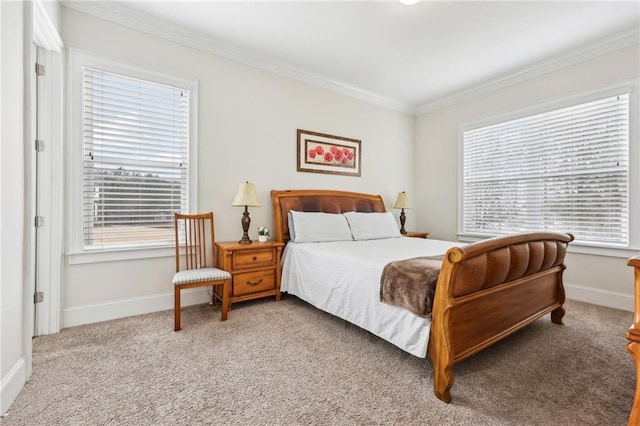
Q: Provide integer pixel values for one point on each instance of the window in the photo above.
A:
(134, 132)
(564, 170)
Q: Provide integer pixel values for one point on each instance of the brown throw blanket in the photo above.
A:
(411, 283)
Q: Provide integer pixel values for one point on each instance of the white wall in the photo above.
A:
(247, 131)
(596, 279)
(14, 359)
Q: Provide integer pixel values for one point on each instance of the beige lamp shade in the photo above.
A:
(246, 196)
(402, 202)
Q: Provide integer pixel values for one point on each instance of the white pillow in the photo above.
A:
(371, 226)
(311, 227)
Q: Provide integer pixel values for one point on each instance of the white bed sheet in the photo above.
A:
(343, 279)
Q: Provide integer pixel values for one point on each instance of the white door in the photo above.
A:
(47, 201)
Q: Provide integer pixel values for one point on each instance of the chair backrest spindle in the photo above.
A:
(203, 246)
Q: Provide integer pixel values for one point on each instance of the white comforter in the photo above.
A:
(343, 278)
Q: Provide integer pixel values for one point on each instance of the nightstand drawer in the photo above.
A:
(253, 259)
(253, 282)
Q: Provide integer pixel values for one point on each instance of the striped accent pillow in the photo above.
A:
(197, 275)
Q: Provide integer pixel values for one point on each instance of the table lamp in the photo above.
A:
(246, 197)
(402, 202)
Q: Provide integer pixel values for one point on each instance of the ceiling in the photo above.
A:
(407, 57)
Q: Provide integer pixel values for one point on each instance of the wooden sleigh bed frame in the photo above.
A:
(485, 291)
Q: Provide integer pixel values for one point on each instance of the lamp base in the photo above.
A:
(403, 218)
(246, 221)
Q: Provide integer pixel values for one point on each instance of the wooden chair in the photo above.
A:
(195, 243)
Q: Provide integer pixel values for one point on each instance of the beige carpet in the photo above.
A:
(287, 363)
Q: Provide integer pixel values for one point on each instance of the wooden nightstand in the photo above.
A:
(417, 234)
(255, 268)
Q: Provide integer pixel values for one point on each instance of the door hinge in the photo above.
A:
(38, 221)
(39, 70)
(38, 297)
(39, 145)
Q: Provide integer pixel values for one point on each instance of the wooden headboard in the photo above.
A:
(319, 200)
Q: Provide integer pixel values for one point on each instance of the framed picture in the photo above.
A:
(321, 153)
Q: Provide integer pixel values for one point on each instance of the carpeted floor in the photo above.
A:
(287, 363)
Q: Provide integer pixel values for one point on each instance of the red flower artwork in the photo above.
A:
(330, 154)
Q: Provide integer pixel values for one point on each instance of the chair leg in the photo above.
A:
(176, 308)
(225, 299)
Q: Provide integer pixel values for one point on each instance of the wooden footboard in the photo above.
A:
(490, 289)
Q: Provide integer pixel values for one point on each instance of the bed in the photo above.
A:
(485, 291)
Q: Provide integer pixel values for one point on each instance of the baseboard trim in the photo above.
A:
(88, 314)
(11, 385)
(611, 299)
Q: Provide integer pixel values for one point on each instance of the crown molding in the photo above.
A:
(614, 42)
(45, 34)
(131, 18)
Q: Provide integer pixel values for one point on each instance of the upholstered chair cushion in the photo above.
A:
(197, 275)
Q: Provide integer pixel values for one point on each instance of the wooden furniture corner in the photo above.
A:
(633, 335)
(417, 234)
(255, 269)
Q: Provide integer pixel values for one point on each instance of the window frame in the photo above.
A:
(629, 86)
(77, 60)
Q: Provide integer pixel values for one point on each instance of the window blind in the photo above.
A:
(135, 171)
(565, 170)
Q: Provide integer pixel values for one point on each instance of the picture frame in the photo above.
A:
(323, 153)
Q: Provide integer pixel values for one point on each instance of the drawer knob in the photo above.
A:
(255, 257)
(254, 283)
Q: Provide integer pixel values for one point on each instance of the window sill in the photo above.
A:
(623, 253)
(77, 258)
